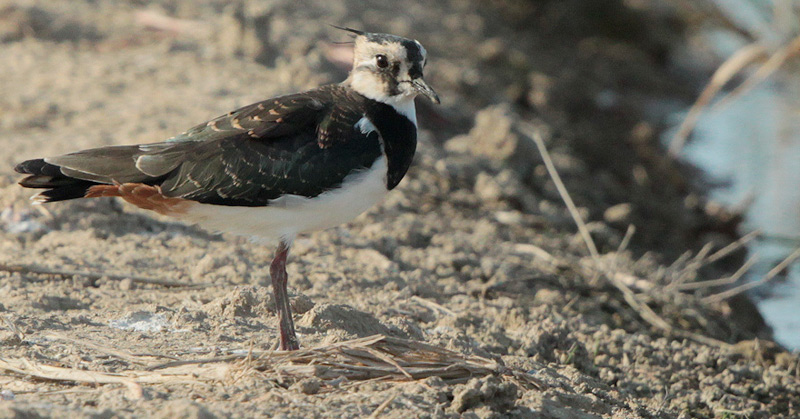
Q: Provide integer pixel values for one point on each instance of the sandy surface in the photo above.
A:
(474, 254)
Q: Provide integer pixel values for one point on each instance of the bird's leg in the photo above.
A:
(279, 280)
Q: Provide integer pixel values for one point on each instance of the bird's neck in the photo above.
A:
(372, 89)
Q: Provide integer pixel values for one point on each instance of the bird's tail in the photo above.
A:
(57, 185)
(71, 176)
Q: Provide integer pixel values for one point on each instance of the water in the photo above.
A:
(753, 145)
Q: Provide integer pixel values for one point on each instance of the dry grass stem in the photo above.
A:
(38, 270)
(721, 281)
(533, 250)
(626, 240)
(562, 190)
(156, 21)
(365, 358)
(372, 358)
(11, 325)
(51, 373)
(736, 63)
(433, 306)
(689, 266)
(738, 244)
(775, 61)
(377, 412)
(726, 71)
(750, 285)
(135, 359)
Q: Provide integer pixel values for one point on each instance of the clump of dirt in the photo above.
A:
(474, 254)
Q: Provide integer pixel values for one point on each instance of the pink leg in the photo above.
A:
(279, 280)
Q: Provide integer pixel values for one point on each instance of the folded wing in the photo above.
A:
(302, 144)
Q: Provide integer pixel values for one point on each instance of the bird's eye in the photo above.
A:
(382, 61)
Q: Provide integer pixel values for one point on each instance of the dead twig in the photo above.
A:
(377, 412)
(750, 285)
(775, 61)
(726, 71)
(48, 372)
(374, 357)
(433, 306)
(136, 359)
(562, 190)
(626, 240)
(721, 281)
(38, 270)
(13, 328)
(738, 244)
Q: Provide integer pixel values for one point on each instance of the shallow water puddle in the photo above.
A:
(752, 147)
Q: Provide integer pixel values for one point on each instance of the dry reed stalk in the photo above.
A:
(377, 412)
(738, 244)
(773, 63)
(433, 306)
(533, 134)
(722, 281)
(135, 359)
(750, 285)
(724, 73)
(38, 270)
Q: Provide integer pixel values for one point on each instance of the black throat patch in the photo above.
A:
(399, 136)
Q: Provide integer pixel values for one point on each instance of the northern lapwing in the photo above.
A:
(271, 170)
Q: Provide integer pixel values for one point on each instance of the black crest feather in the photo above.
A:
(351, 30)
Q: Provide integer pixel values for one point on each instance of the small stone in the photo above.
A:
(301, 304)
(243, 301)
(546, 296)
(308, 386)
(9, 338)
(204, 266)
(7, 395)
(182, 408)
(375, 258)
(487, 188)
(489, 391)
(342, 317)
(618, 214)
(127, 284)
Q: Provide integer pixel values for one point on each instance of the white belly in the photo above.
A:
(290, 215)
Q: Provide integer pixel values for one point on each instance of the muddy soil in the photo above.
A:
(475, 252)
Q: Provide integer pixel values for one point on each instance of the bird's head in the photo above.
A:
(388, 68)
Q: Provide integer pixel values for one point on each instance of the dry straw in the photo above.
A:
(372, 358)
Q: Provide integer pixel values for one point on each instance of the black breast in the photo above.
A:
(399, 136)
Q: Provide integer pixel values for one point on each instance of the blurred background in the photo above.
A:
(678, 117)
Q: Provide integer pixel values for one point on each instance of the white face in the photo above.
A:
(389, 69)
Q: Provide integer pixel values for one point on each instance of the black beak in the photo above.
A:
(424, 89)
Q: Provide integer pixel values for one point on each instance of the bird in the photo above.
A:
(271, 170)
